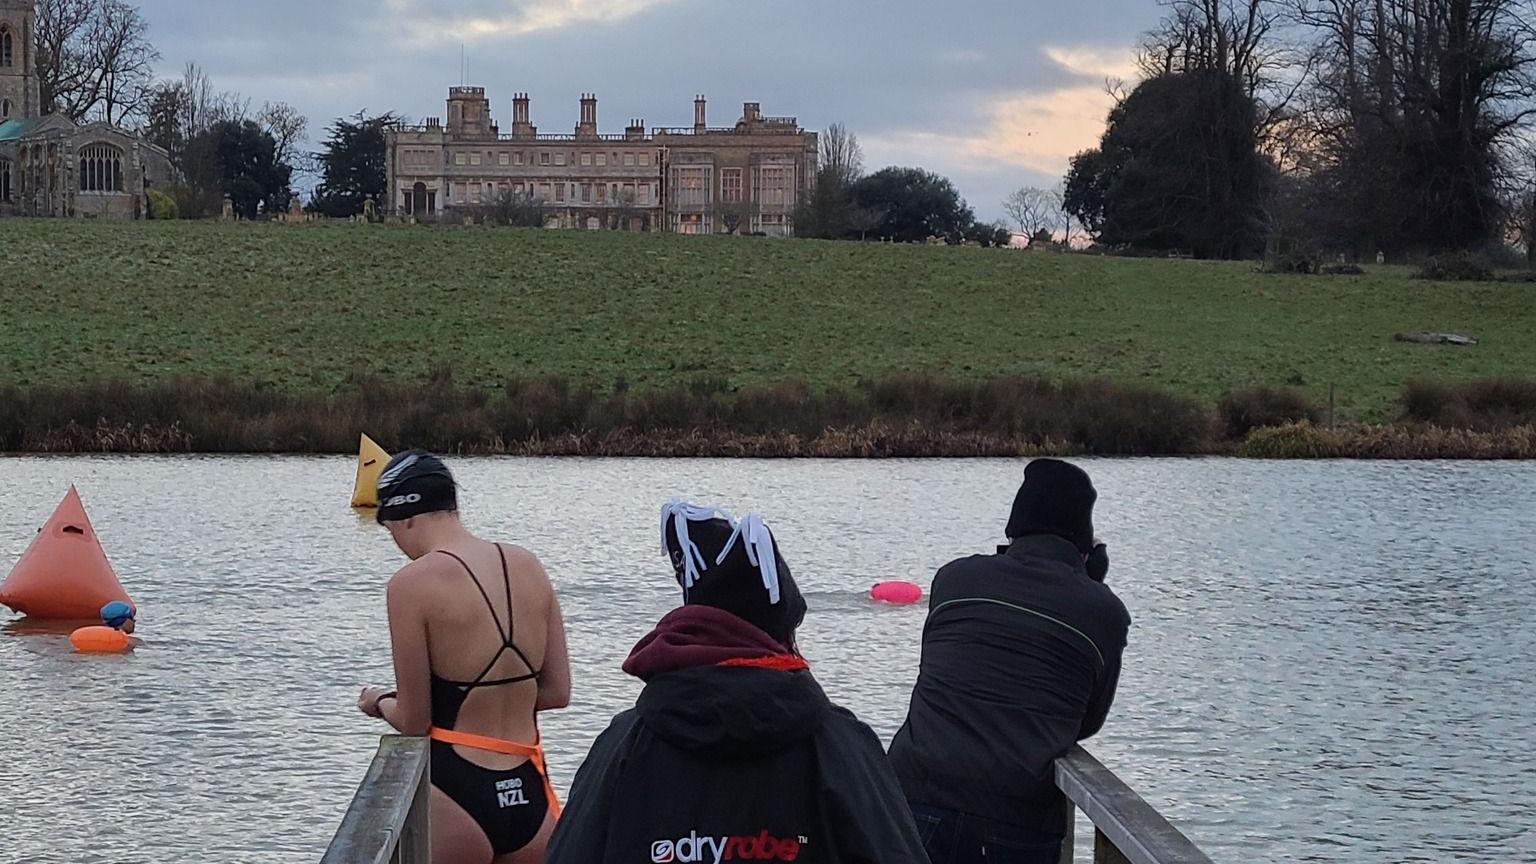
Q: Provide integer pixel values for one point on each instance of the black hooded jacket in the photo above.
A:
(723, 763)
(1021, 655)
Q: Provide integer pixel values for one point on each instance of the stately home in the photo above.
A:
(52, 166)
(697, 179)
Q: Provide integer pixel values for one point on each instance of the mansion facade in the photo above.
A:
(699, 179)
(52, 166)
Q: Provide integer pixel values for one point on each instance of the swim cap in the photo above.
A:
(116, 614)
(413, 483)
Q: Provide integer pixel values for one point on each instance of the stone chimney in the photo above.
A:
(699, 122)
(522, 126)
(587, 128)
(635, 131)
(751, 112)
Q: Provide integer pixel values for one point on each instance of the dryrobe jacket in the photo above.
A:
(720, 763)
(1021, 654)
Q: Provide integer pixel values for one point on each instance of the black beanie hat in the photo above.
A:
(733, 583)
(1056, 498)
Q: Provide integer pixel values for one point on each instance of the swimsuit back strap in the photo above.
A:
(504, 632)
(534, 753)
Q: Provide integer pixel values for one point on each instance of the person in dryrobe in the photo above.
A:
(479, 650)
(1021, 655)
(732, 751)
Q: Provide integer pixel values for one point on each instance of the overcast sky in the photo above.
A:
(995, 94)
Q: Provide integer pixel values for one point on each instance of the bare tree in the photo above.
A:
(1033, 210)
(842, 159)
(286, 126)
(94, 59)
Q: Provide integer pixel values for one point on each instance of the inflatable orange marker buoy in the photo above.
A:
(99, 640)
(896, 593)
(371, 460)
(64, 574)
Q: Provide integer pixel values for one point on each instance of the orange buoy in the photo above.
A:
(99, 640)
(896, 593)
(64, 574)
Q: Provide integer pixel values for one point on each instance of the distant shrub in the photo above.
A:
(162, 206)
(1291, 262)
(1306, 441)
(1457, 267)
(1485, 405)
(1241, 411)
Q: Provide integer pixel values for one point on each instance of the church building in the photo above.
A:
(53, 166)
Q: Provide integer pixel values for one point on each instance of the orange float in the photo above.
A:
(64, 574)
(99, 640)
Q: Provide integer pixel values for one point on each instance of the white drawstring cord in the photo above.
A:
(751, 529)
(759, 543)
(682, 512)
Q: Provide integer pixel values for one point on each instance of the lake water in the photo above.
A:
(1329, 661)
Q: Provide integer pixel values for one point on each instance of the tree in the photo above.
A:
(916, 205)
(94, 59)
(1178, 169)
(842, 159)
(828, 212)
(239, 159)
(353, 165)
(510, 209)
(1414, 106)
(286, 126)
(1032, 209)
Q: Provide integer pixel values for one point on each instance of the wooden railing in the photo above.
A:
(1126, 830)
(387, 821)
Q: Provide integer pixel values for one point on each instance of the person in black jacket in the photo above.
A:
(732, 752)
(1021, 655)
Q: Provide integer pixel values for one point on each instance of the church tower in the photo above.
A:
(18, 63)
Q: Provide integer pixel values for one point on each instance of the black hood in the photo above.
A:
(723, 711)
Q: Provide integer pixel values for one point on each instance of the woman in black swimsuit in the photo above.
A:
(479, 649)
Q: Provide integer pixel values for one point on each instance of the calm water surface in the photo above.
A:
(1329, 662)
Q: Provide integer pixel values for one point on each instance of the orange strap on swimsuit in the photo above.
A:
(535, 754)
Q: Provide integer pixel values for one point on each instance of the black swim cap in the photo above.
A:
(413, 483)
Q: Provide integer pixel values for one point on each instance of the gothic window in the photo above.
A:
(5, 109)
(7, 54)
(101, 169)
(5, 180)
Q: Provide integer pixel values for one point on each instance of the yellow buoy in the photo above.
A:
(371, 460)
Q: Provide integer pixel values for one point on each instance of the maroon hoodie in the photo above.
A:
(691, 636)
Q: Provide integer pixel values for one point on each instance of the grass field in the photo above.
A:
(302, 306)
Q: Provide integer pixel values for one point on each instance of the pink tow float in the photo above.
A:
(896, 593)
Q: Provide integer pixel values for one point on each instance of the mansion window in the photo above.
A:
(602, 159)
(771, 187)
(458, 159)
(691, 223)
(691, 184)
(643, 194)
(5, 180)
(730, 185)
(586, 192)
(101, 169)
(5, 109)
(602, 192)
(645, 159)
(505, 159)
(629, 160)
(543, 158)
(560, 159)
(517, 158)
(474, 158)
(559, 191)
(7, 48)
(586, 158)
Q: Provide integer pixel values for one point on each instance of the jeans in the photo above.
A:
(956, 838)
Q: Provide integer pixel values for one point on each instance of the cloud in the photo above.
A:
(431, 20)
(1030, 136)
